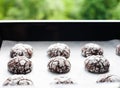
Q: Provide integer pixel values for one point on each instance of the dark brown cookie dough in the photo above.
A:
(21, 50)
(97, 64)
(58, 49)
(17, 80)
(91, 49)
(20, 65)
(59, 65)
(108, 78)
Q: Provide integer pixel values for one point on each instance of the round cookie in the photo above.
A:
(97, 64)
(63, 80)
(17, 80)
(20, 65)
(21, 50)
(58, 49)
(91, 49)
(59, 65)
(108, 78)
(118, 49)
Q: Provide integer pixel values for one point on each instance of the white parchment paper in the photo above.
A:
(42, 78)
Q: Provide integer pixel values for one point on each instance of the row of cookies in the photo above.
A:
(20, 63)
(95, 62)
(58, 54)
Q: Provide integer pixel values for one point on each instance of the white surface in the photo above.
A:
(42, 78)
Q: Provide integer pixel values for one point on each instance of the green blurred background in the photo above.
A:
(59, 9)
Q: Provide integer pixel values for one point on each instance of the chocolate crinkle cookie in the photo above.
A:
(21, 50)
(91, 49)
(17, 80)
(63, 80)
(108, 78)
(59, 65)
(20, 65)
(58, 49)
(118, 49)
(97, 64)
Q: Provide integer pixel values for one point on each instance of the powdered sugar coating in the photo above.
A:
(20, 65)
(21, 50)
(97, 64)
(58, 49)
(63, 80)
(17, 80)
(108, 78)
(59, 65)
(91, 49)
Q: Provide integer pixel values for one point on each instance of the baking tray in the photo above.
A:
(40, 75)
(60, 31)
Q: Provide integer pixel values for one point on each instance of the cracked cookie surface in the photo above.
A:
(108, 78)
(59, 65)
(91, 49)
(97, 64)
(17, 80)
(21, 50)
(20, 65)
(58, 49)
